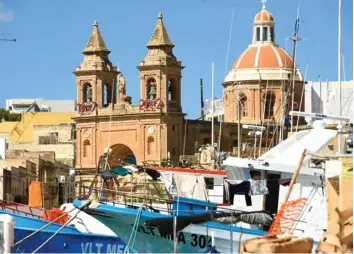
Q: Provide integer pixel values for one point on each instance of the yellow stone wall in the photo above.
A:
(23, 131)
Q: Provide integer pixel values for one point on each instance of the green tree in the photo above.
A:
(6, 115)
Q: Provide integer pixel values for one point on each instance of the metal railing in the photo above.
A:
(22, 209)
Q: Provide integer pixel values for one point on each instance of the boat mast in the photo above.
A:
(239, 123)
(340, 94)
(201, 100)
(339, 71)
(212, 105)
(295, 39)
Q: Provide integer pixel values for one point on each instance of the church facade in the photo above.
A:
(154, 130)
(107, 119)
(255, 90)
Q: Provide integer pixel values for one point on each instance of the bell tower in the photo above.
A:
(160, 72)
(96, 76)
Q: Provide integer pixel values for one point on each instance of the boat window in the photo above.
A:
(209, 183)
(265, 34)
(255, 175)
(258, 33)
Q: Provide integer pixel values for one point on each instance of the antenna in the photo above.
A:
(201, 99)
(6, 39)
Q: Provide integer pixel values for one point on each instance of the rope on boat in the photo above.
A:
(134, 230)
(57, 232)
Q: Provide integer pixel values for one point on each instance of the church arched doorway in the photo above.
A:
(123, 153)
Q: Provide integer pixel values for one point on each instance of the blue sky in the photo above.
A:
(52, 33)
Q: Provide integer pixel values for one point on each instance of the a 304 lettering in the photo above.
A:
(200, 241)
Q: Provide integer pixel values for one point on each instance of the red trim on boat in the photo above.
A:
(192, 171)
(224, 204)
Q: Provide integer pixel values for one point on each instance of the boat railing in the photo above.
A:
(127, 198)
(22, 209)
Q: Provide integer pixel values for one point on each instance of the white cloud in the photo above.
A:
(5, 16)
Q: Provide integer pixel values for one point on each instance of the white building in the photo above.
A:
(322, 97)
(218, 109)
(40, 105)
(319, 97)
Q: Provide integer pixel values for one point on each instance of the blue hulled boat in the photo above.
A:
(152, 232)
(68, 240)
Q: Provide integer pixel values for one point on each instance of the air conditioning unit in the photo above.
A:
(62, 179)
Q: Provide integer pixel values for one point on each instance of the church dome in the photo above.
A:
(263, 16)
(264, 56)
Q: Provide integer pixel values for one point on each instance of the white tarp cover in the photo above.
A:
(167, 179)
(289, 151)
(191, 186)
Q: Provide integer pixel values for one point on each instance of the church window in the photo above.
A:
(272, 33)
(265, 33)
(150, 145)
(269, 101)
(107, 94)
(151, 88)
(171, 91)
(258, 33)
(87, 93)
(86, 148)
(243, 105)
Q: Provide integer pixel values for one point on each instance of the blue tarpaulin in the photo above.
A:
(120, 171)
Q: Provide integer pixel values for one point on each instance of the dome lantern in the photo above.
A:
(263, 27)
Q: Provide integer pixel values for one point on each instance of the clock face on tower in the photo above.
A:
(151, 130)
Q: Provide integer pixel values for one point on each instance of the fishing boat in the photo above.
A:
(64, 239)
(147, 231)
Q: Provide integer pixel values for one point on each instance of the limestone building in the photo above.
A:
(152, 131)
(258, 88)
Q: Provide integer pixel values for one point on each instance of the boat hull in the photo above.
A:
(68, 240)
(66, 243)
(192, 239)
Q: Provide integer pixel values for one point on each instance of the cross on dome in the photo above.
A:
(263, 4)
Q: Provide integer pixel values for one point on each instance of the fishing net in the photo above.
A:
(286, 217)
